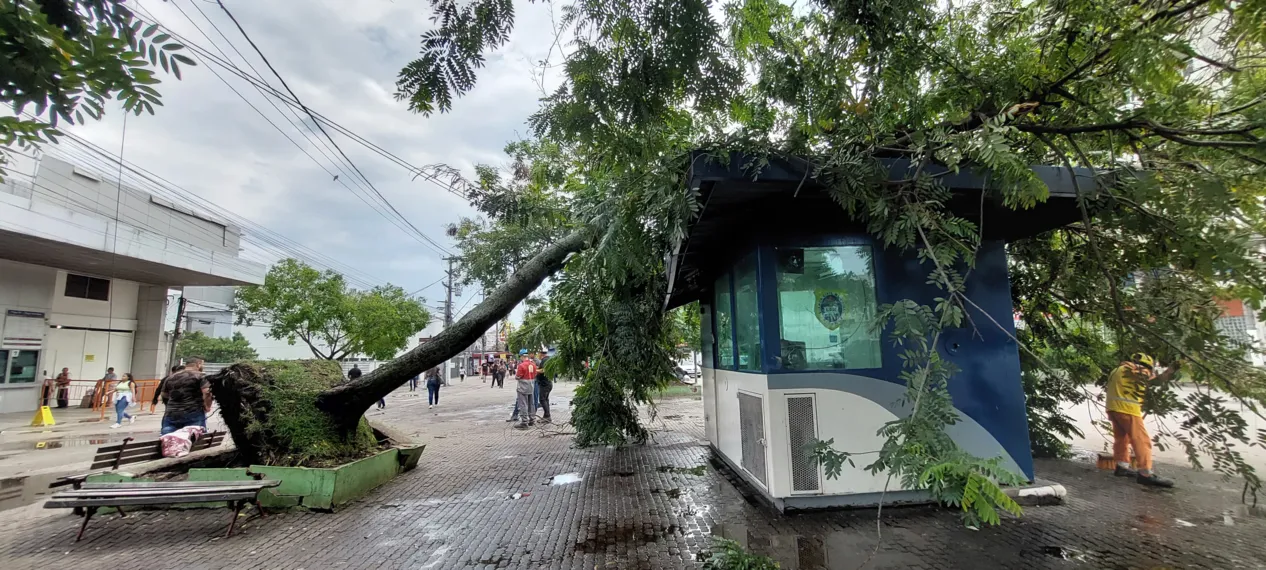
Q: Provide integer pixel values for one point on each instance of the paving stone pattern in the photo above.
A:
(638, 508)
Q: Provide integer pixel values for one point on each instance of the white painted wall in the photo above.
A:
(71, 348)
(118, 313)
(729, 436)
(851, 420)
(24, 287)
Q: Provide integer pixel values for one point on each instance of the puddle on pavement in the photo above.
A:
(1064, 553)
(697, 470)
(602, 534)
(826, 551)
(565, 479)
(61, 442)
(21, 491)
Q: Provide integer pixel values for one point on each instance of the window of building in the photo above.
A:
(706, 317)
(724, 324)
(84, 287)
(746, 316)
(826, 306)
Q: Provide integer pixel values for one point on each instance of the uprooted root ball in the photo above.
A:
(270, 408)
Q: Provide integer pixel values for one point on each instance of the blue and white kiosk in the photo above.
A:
(788, 286)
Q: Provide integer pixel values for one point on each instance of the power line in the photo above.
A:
(93, 155)
(362, 196)
(436, 282)
(418, 172)
(322, 128)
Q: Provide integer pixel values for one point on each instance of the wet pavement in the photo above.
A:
(489, 496)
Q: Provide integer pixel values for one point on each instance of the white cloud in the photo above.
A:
(342, 59)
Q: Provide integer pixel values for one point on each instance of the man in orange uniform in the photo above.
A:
(1125, 391)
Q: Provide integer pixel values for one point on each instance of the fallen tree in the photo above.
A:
(305, 412)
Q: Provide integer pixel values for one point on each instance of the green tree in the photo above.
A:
(1160, 100)
(541, 328)
(211, 349)
(301, 304)
(64, 58)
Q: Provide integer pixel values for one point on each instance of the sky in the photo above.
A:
(341, 58)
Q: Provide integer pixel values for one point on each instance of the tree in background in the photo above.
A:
(212, 349)
(301, 304)
(64, 58)
(541, 328)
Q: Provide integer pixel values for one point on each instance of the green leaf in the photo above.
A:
(149, 31)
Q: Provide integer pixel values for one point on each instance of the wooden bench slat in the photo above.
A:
(215, 497)
(138, 452)
(127, 493)
(153, 446)
(181, 484)
(135, 444)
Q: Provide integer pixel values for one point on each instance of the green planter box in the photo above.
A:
(320, 488)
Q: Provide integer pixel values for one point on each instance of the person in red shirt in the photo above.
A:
(526, 375)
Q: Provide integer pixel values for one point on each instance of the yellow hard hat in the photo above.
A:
(1144, 359)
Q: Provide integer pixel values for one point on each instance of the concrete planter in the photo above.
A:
(310, 488)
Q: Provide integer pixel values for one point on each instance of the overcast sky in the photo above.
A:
(342, 59)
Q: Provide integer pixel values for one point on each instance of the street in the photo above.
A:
(650, 506)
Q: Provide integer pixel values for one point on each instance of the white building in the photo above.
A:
(209, 310)
(85, 268)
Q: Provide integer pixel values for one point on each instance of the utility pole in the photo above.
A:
(175, 335)
(448, 311)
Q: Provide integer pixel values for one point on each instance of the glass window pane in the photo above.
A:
(707, 341)
(746, 319)
(725, 334)
(826, 304)
(21, 366)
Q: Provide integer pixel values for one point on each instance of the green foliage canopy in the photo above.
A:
(300, 303)
(65, 58)
(233, 349)
(1162, 101)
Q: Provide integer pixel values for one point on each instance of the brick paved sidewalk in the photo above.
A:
(636, 508)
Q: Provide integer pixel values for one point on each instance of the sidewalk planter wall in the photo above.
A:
(320, 488)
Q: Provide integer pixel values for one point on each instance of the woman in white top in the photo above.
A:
(124, 394)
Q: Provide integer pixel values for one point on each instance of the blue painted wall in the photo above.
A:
(987, 387)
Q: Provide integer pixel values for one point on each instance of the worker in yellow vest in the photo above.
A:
(1126, 388)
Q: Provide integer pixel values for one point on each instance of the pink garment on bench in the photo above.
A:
(178, 443)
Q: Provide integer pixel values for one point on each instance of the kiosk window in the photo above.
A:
(724, 324)
(746, 317)
(826, 305)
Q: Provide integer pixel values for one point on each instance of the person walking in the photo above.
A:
(433, 387)
(188, 397)
(124, 394)
(63, 388)
(525, 373)
(544, 386)
(413, 383)
(1125, 391)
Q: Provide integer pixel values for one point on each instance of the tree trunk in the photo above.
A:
(347, 402)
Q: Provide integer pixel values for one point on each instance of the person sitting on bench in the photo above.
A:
(188, 397)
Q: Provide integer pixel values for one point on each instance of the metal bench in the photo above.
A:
(93, 496)
(111, 457)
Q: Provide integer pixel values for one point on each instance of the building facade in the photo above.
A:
(86, 265)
